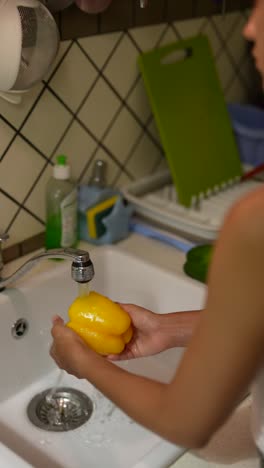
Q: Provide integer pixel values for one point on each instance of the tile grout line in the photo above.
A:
(234, 77)
(225, 39)
(25, 139)
(231, 59)
(11, 198)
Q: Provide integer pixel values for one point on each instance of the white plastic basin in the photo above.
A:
(109, 439)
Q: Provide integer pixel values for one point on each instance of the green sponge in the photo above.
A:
(197, 262)
(95, 214)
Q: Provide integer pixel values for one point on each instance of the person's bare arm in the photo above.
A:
(179, 327)
(154, 333)
(228, 346)
(222, 358)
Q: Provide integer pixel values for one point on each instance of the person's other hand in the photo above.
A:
(68, 350)
(147, 337)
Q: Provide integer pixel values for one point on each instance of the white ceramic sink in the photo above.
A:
(109, 439)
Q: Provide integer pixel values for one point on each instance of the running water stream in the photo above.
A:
(83, 290)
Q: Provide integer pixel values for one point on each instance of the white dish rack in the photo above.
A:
(155, 198)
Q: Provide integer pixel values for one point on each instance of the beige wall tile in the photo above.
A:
(100, 47)
(163, 164)
(236, 92)
(120, 71)
(224, 70)
(144, 158)
(214, 40)
(189, 28)
(74, 78)
(247, 68)
(6, 135)
(47, 123)
(24, 226)
(64, 45)
(168, 37)
(152, 127)
(16, 114)
(138, 101)
(79, 148)
(7, 209)
(122, 181)
(227, 23)
(36, 201)
(237, 45)
(147, 37)
(19, 169)
(99, 108)
(123, 135)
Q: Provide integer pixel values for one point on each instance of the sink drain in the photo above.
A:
(66, 410)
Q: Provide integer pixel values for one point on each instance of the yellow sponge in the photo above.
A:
(95, 215)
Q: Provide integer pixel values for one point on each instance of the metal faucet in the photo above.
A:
(82, 269)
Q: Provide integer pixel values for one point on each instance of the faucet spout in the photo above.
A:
(82, 269)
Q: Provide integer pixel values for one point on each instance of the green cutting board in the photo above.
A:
(192, 117)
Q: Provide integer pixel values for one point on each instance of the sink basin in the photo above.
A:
(109, 438)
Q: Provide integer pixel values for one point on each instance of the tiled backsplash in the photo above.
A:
(93, 105)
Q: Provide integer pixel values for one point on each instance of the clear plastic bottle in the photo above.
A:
(97, 178)
(61, 207)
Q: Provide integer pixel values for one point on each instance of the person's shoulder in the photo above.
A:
(247, 215)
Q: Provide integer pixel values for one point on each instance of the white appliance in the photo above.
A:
(29, 41)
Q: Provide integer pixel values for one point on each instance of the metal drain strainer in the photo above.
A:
(66, 410)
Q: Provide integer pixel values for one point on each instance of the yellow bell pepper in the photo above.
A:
(102, 324)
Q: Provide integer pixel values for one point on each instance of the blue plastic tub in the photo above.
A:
(248, 126)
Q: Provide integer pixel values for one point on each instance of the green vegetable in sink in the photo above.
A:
(197, 262)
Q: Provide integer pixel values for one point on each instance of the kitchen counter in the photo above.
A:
(232, 445)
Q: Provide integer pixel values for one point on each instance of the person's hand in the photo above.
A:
(148, 339)
(68, 350)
